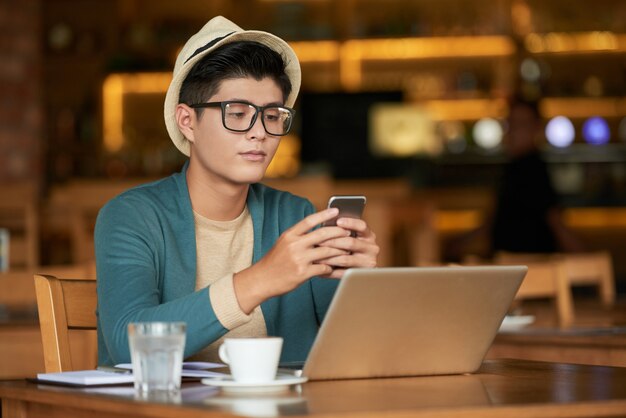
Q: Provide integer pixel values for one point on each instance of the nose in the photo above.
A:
(257, 131)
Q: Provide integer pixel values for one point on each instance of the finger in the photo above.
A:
(340, 261)
(353, 224)
(318, 254)
(313, 220)
(351, 260)
(350, 244)
(336, 273)
(357, 225)
(318, 236)
(321, 270)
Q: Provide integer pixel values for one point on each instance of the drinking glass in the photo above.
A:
(156, 350)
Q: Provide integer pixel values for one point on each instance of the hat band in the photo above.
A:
(207, 46)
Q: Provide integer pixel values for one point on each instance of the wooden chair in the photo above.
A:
(404, 231)
(594, 268)
(545, 279)
(75, 206)
(65, 305)
(18, 214)
(586, 268)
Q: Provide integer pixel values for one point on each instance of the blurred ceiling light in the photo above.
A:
(595, 217)
(579, 107)
(596, 131)
(114, 88)
(530, 70)
(316, 51)
(466, 109)
(400, 130)
(582, 42)
(488, 133)
(560, 132)
(354, 52)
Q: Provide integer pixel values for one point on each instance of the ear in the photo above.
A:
(186, 119)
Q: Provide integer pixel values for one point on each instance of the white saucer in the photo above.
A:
(515, 322)
(281, 383)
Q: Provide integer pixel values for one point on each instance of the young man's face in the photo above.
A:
(235, 157)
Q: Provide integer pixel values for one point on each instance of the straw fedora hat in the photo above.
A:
(219, 31)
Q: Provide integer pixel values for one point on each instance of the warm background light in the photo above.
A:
(114, 88)
(402, 131)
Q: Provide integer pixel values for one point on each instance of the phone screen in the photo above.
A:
(349, 207)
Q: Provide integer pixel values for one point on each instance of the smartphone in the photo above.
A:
(349, 207)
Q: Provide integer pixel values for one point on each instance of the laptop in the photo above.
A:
(414, 321)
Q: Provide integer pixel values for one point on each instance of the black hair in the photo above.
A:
(233, 60)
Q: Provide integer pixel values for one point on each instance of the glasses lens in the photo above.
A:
(238, 116)
(277, 120)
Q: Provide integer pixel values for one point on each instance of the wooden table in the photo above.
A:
(501, 388)
(598, 335)
(598, 346)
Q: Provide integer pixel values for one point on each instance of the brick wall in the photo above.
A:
(20, 90)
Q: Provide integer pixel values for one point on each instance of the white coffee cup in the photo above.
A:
(252, 360)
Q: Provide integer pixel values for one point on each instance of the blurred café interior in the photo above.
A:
(405, 103)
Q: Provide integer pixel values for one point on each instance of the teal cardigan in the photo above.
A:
(146, 268)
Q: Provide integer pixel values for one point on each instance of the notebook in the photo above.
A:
(390, 322)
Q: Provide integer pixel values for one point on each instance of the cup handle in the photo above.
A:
(223, 354)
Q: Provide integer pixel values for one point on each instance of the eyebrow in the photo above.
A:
(248, 101)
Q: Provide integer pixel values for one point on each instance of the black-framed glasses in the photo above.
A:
(240, 116)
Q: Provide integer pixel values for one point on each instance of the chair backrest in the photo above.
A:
(546, 278)
(18, 214)
(77, 203)
(63, 305)
(581, 268)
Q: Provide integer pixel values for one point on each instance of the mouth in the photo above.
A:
(253, 155)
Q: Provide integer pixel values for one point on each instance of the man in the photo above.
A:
(528, 217)
(210, 246)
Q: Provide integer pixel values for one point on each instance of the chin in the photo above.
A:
(249, 178)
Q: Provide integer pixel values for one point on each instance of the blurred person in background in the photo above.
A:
(526, 217)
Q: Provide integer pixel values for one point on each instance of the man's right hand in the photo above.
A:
(292, 260)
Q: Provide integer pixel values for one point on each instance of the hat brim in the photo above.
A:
(292, 69)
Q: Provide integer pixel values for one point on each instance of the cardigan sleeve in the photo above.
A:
(322, 289)
(131, 258)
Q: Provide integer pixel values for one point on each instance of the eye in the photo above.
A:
(275, 115)
(238, 110)
(235, 115)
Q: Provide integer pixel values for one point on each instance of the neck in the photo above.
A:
(214, 199)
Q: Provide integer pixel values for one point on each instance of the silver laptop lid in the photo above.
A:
(387, 322)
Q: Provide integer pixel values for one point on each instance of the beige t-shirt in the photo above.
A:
(224, 248)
